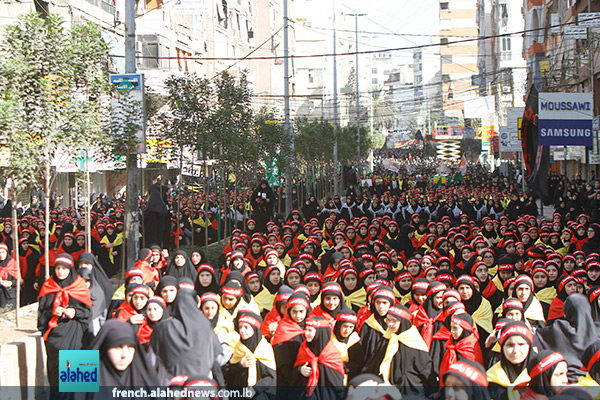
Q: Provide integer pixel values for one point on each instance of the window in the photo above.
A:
(447, 59)
(503, 12)
(505, 43)
(444, 5)
(374, 81)
(154, 52)
(444, 41)
(373, 70)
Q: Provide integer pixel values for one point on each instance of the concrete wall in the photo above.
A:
(23, 368)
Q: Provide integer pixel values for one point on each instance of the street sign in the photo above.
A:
(131, 85)
(588, 20)
(565, 119)
(575, 32)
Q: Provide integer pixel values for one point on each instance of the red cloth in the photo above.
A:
(10, 269)
(319, 312)
(468, 348)
(329, 357)
(272, 316)
(77, 290)
(421, 319)
(556, 309)
(149, 274)
(490, 289)
(286, 330)
(330, 274)
(124, 312)
(144, 333)
(442, 334)
(361, 316)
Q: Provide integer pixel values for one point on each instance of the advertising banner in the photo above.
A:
(565, 119)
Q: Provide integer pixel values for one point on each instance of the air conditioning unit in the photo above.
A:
(506, 89)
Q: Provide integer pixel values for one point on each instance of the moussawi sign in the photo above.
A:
(565, 119)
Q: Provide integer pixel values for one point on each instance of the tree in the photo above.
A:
(273, 146)
(56, 83)
(384, 109)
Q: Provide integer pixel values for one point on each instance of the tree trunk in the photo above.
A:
(16, 254)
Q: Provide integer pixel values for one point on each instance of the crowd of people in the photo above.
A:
(421, 290)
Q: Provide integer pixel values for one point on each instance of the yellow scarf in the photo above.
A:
(535, 312)
(357, 298)
(403, 298)
(497, 375)
(343, 347)
(317, 302)
(410, 338)
(590, 385)
(372, 322)
(483, 316)
(263, 353)
(546, 295)
(498, 283)
(264, 300)
(118, 241)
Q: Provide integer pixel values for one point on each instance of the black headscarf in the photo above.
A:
(214, 284)
(115, 333)
(592, 368)
(514, 370)
(540, 382)
(186, 343)
(252, 342)
(571, 336)
(351, 318)
(99, 304)
(403, 243)
(473, 376)
(98, 276)
(238, 277)
(186, 269)
(322, 337)
(592, 245)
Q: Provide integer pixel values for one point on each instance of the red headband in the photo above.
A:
(516, 330)
(187, 285)
(64, 260)
(158, 299)
(463, 324)
(235, 292)
(468, 372)
(141, 290)
(420, 286)
(347, 318)
(546, 363)
(282, 297)
(594, 294)
(298, 301)
(564, 281)
(512, 304)
(250, 321)
(454, 307)
(318, 323)
(209, 297)
(592, 361)
(384, 292)
(207, 268)
(400, 313)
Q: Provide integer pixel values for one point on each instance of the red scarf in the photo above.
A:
(442, 334)
(77, 290)
(556, 309)
(319, 312)
(144, 333)
(421, 319)
(468, 348)
(286, 330)
(329, 357)
(272, 316)
(124, 312)
(489, 290)
(23, 262)
(362, 315)
(10, 269)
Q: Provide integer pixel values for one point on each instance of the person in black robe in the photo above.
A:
(186, 344)
(8, 277)
(181, 266)
(167, 289)
(262, 201)
(262, 361)
(65, 307)
(319, 368)
(123, 361)
(572, 336)
(362, 356)
(156, 217)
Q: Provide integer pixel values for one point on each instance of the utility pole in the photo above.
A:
(335, 108)
(132, 218)
(286, 96)
(358, 164)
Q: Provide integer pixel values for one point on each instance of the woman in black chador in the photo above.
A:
(262, 202)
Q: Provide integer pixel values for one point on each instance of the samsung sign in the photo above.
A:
(565, 119)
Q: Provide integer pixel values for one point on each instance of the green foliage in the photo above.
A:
(53, 83)
(347, 143)
(272, 142)
(314, 140)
